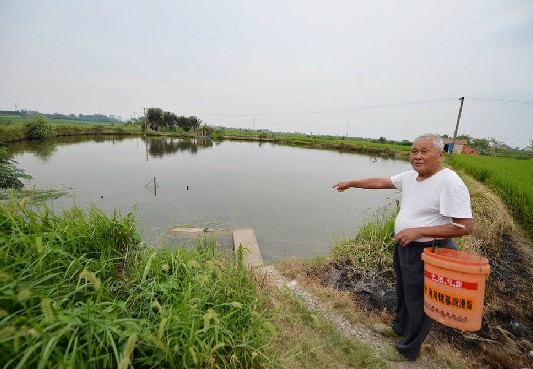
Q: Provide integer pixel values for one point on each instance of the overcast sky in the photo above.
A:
(366, 68)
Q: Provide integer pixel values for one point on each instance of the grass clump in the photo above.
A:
(77, 290)
(373, 247)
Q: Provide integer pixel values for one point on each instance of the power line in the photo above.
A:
(329, 111)
(502, 100)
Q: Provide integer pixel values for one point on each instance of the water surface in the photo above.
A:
(284, 193)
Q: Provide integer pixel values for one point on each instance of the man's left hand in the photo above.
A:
(406, 236)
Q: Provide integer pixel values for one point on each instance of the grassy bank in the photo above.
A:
(78, 291)
(18, 128)
(366, 146)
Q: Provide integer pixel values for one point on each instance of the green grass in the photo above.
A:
(11, 119)
(77, 290)
(512, 179)
(305, 340)
(372, 248)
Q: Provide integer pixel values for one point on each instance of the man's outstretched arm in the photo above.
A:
(367, 183)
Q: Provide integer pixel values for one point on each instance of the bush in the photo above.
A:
(10, 175)
(38, 128)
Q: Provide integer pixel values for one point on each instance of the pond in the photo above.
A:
(284, 193)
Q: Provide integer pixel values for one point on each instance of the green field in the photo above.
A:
(512, 179)
(8, 119)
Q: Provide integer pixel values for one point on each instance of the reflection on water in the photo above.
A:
(43, 149)
(283, 193)
(159, 147)
(152, 186)
(156, 147)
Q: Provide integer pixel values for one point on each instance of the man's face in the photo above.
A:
(425, 158)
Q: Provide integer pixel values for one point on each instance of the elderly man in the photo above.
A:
(435, 207)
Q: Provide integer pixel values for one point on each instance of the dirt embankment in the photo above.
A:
(506, 337)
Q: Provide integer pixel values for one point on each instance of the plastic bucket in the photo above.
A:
(454, 287)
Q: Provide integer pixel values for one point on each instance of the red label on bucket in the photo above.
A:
(450, 300)
(450, 282)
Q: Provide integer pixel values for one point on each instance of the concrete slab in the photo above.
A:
(226, 238)
(193, 233)
(189, 236)
(246, 238)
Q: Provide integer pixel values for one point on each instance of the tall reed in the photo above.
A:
(78, 291)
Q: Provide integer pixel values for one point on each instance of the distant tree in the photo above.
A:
(38, 128)
(170, 119)
(465, 137)
(382, 139)
(157, 118)
(188, 123)
(481, 143)
(154, 117)
(10, 175)
(194, 122)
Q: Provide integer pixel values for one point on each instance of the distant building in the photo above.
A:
(459, 147)
(204, 133)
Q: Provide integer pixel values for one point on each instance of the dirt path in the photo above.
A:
(358, 331)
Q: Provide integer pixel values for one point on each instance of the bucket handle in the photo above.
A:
(435, 247)
(458, 225)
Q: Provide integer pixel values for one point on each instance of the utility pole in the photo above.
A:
(146, 146)
(462, 99)
(145, 122)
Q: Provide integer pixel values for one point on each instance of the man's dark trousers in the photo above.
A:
(411, 323)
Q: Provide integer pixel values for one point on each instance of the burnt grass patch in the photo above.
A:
(506, 336)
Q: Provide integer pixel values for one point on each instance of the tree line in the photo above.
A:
(79, 117)
(157, 119)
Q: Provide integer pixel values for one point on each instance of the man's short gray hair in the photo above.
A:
(436, 140)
